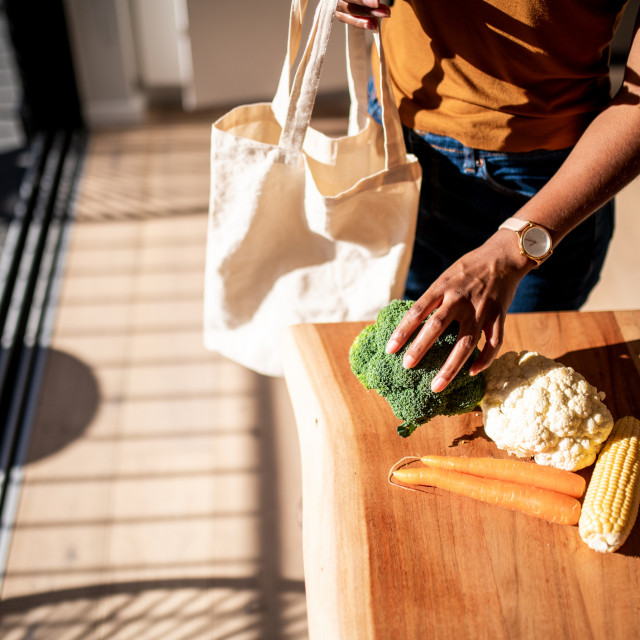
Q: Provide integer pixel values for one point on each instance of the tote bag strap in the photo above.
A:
(357, 87)
(305, 86)
(296, 20)
(358, 68)
(307, 78)
(394, 146)
(357, 78)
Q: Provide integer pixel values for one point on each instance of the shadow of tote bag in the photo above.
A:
(305, 227)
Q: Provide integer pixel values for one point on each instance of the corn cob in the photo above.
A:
(611, 502)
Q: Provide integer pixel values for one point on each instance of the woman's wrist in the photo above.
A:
(504, 243)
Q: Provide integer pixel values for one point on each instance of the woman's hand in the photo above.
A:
(362, 13)
(476, 291)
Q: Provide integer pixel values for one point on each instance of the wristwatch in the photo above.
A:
(534, 240)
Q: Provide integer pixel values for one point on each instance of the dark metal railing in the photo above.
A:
(31, 267)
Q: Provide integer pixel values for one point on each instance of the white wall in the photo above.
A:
(156, 38)
(105, 62)
(217, 53)
(233, 51)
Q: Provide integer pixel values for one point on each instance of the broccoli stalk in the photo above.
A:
(408, 391)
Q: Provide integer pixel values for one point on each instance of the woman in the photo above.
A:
(507, 104)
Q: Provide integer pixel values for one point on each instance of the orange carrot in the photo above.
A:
(542, 503)
(528, 473)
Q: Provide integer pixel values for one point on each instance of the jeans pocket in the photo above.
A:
(521, 174)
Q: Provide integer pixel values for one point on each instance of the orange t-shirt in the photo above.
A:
(501, 75)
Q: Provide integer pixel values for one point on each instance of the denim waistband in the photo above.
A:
(449, 145)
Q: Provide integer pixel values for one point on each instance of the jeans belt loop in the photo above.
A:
(470, 163)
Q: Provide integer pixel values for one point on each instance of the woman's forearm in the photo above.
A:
(477, 289)
(605, 159)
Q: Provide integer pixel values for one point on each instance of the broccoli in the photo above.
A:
(408, 391)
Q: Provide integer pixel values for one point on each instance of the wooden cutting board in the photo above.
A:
(383, 562)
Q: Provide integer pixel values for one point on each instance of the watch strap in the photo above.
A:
(514, 224)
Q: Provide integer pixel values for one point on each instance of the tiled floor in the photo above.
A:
(162, 487)
(161, 490)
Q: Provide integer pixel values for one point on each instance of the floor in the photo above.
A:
(161, 494)
(161, 489)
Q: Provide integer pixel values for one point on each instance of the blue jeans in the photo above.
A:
(467, 193)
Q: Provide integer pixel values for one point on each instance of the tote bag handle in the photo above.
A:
(395, 148)
(307, 78)
(296, 20)
(357, 69)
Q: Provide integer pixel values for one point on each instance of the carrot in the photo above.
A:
(529, 473)
(542, 503)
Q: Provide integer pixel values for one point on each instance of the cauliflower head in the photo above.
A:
(537, 407)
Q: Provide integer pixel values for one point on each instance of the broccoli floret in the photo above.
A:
(408, 391)
(362, 350)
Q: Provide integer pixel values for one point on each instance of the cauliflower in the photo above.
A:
(537, 407)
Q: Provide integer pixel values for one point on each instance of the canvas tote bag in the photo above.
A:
(303, 227)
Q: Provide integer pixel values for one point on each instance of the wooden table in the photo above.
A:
(386, 563)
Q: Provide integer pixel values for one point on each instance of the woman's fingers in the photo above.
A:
(460, 353)
(362, 13)
(494, 335)
(435, 324)
(438, 317)
(411, 321)
(435, 312)
(363, 8)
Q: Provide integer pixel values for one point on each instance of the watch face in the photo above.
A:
(536, 242)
